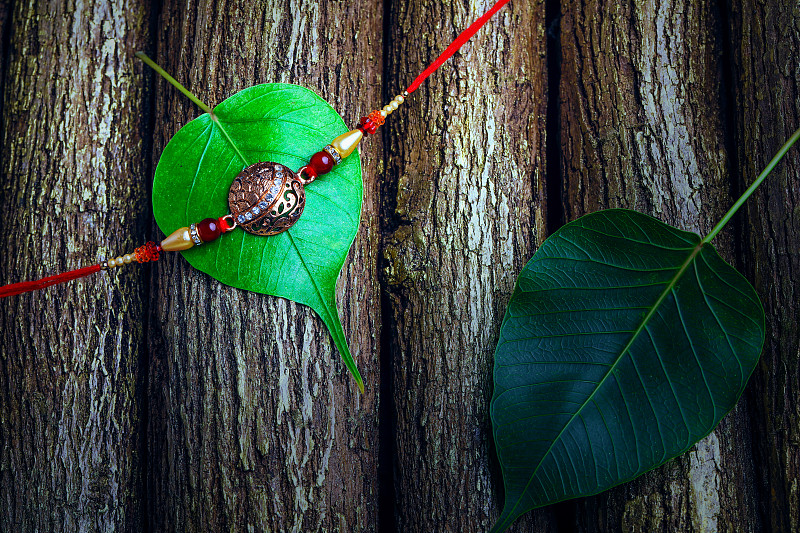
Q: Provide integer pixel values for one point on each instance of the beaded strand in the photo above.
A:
(320, 163)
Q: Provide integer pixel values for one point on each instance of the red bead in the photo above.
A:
(208, 229)
(321, 162)
(368, 126)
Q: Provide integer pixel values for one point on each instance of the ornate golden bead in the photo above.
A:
(267, 198)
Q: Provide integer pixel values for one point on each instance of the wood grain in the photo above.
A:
(73, 191)
(464, 209)
(642, 127)
(254, 422)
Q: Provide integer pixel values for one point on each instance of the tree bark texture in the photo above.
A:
(463, 207)
(764, 43)
(255, 424)
(74, 190)
(155, 398)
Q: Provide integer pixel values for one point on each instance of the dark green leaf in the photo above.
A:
(625, 343)
(271, 122)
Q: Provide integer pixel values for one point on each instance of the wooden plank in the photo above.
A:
(73, 191)
(642, 128)
(464, 211)
(255, 424)
(764, 39)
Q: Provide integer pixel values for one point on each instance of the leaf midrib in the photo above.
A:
(340, 343)
(695, 251)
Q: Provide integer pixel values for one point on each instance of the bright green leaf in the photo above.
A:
(625, 342)
(271, 122)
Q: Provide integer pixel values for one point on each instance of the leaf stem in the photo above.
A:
(152, 64)
(202, 105)
(761, 177)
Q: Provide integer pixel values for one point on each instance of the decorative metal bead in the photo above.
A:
(266, 198)
(195, 237)
(333, 153)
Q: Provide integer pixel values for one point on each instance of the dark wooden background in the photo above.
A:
(156, 399)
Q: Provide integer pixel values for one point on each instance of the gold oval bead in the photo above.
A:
(178, 240)
(347, 142)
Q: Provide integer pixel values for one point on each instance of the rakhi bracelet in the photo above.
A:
(265, 198)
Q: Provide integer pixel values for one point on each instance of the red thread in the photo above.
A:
(27, 286)
(465, 36)
(224, 225)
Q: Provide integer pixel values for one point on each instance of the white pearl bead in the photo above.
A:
(388, 109)
(127, 259)
(383, 113)
(111, 263)
(394, 105)
(399, 99)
